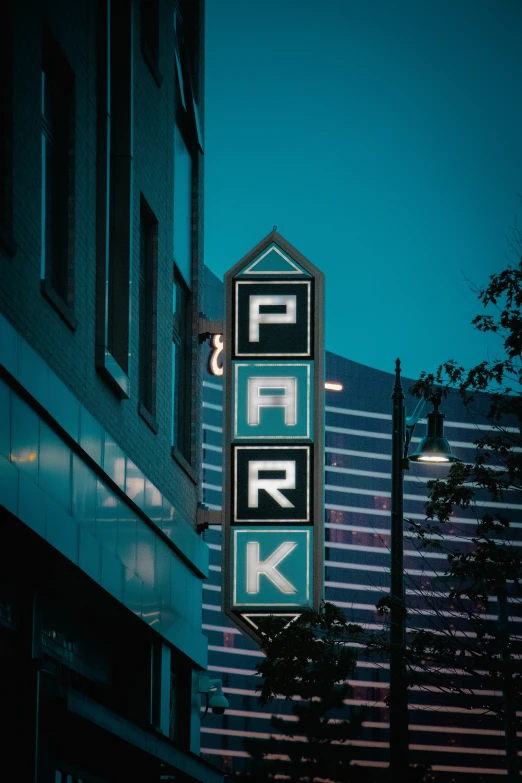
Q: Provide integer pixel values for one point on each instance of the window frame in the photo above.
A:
(150, 29)
(182, 435)
(187, 111)
(187, 125)
(180, 699)
(57, 223)
(181, 130)
(147, 329)
(7, 242)
(115, 171)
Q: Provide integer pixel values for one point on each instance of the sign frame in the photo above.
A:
(306, 450)
(304, 369)
(317, 431)
(253, 355)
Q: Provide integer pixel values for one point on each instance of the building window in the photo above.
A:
(186, 61)
(228, 639)
(120, 111)
(183, 201)
(181, 369)
(57, 107)
(180, 701)
(187, 144)
(155, 685)
(150, 36)
(186, 227)
(6, 129)
(188, 140)
(115, 173)
(147, 310)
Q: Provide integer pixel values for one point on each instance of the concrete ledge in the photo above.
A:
(195, 768)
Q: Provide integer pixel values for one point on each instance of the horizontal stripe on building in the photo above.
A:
(419, 498)
(355, 743)
(376, 531)
(448, 423)
(387, 436)
(410, 515)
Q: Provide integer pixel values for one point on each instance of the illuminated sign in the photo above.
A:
(272, 484)
(273, 435)
(273, 318)
(216, 368)
(272, 567)
(272, 400)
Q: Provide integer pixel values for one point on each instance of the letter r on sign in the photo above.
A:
(271, 485)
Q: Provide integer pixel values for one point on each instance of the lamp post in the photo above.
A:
(433, 448)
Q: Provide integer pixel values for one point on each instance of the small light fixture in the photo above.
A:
(434, 447)
(331, 386)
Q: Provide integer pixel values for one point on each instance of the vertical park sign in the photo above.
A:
(273, 438)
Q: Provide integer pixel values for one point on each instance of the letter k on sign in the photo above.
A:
(268, 567)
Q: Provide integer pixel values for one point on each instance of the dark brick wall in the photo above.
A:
(71, 354)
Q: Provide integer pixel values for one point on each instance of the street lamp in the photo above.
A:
(433, 449)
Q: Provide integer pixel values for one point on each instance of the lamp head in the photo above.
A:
(434, 448)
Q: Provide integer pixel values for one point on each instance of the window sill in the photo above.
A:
(112, 373)
(7, 241)
(148, 418)
(63, 309)
(182, 462)
(152, 64)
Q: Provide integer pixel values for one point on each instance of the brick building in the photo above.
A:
(101, 565)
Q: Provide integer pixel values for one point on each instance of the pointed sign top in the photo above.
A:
(274, 257)
(272, 262)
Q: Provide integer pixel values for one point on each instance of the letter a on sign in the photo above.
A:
(272, 393)
(273, 400)
(273, 436)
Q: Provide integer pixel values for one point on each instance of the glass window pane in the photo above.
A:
(181, 368)
(173, 431)
(25, 437)
(55, 475)
(182, 206)
(150, 27)
(56, 105)
(147, 309)
(5, 420)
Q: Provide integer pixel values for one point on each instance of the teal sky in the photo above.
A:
(384, 139)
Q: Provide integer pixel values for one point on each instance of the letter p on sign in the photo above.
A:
(256, 317)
